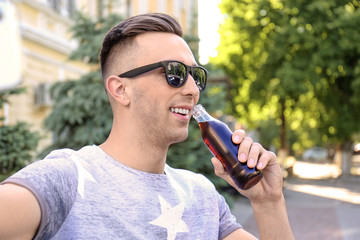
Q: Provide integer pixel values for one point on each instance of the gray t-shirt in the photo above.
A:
(86, 194)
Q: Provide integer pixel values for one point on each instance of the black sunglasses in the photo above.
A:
(176, 73)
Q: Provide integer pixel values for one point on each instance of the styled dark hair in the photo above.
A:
(123, 34)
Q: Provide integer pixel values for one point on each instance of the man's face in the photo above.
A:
(162, 111)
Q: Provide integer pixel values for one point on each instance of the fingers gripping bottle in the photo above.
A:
(217, 137)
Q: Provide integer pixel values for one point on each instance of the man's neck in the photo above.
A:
(135, 152)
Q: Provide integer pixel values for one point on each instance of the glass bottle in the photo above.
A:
(217, 137)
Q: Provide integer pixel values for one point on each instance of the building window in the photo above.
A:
(143, 6)
(63, 7)
(162, 6)
(177, 8)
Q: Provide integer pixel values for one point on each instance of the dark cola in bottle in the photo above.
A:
(217, 137)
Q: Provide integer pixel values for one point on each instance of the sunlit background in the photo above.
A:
(209, 19)
(286, 72)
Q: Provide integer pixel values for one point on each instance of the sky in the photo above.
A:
(209, 18)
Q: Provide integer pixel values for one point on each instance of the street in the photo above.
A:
(318, 207)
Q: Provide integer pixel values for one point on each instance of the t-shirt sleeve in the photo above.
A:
(53, 181)
(228, 222)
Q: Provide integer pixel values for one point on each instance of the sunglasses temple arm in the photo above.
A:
(137, 71)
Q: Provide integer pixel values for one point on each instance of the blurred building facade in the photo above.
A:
(45, 44)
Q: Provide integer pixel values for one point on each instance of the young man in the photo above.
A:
(123, 188)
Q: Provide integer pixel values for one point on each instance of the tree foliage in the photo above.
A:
(81, 113)
(294, 64)
(89, 33)
(17, 142)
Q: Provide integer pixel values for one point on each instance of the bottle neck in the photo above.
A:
(200, 114)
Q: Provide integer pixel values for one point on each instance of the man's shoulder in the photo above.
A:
(66, 156)
(61, 161)
(66, 153)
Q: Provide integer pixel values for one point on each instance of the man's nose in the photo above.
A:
(190, 87)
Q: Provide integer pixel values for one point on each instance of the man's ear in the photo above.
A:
(118, 89)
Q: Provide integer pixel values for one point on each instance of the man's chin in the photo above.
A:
(180, 138)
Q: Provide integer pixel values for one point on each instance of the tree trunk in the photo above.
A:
(283, 151)
(346, 153)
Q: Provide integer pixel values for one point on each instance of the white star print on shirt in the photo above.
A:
(170, 219)
(82, 175)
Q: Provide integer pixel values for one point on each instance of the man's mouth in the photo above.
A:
(182, 111)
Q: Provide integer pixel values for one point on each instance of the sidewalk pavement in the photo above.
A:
(317, 209)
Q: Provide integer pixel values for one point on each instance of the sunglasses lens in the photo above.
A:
(199, 76)
(176, 73)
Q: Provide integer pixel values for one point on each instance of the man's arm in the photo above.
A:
(20, 213)
(240, 233)
(266, 197)
(272, 222)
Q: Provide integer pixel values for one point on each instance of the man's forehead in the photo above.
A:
(160, 46)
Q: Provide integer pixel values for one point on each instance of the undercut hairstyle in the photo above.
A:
(121, 36)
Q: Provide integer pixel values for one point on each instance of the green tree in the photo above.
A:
(81, 114)
(297, 63)
(17, 142)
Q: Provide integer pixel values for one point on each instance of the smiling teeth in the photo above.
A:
(180, 110)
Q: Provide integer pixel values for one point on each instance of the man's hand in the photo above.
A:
(266, 197)
(270, 187)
